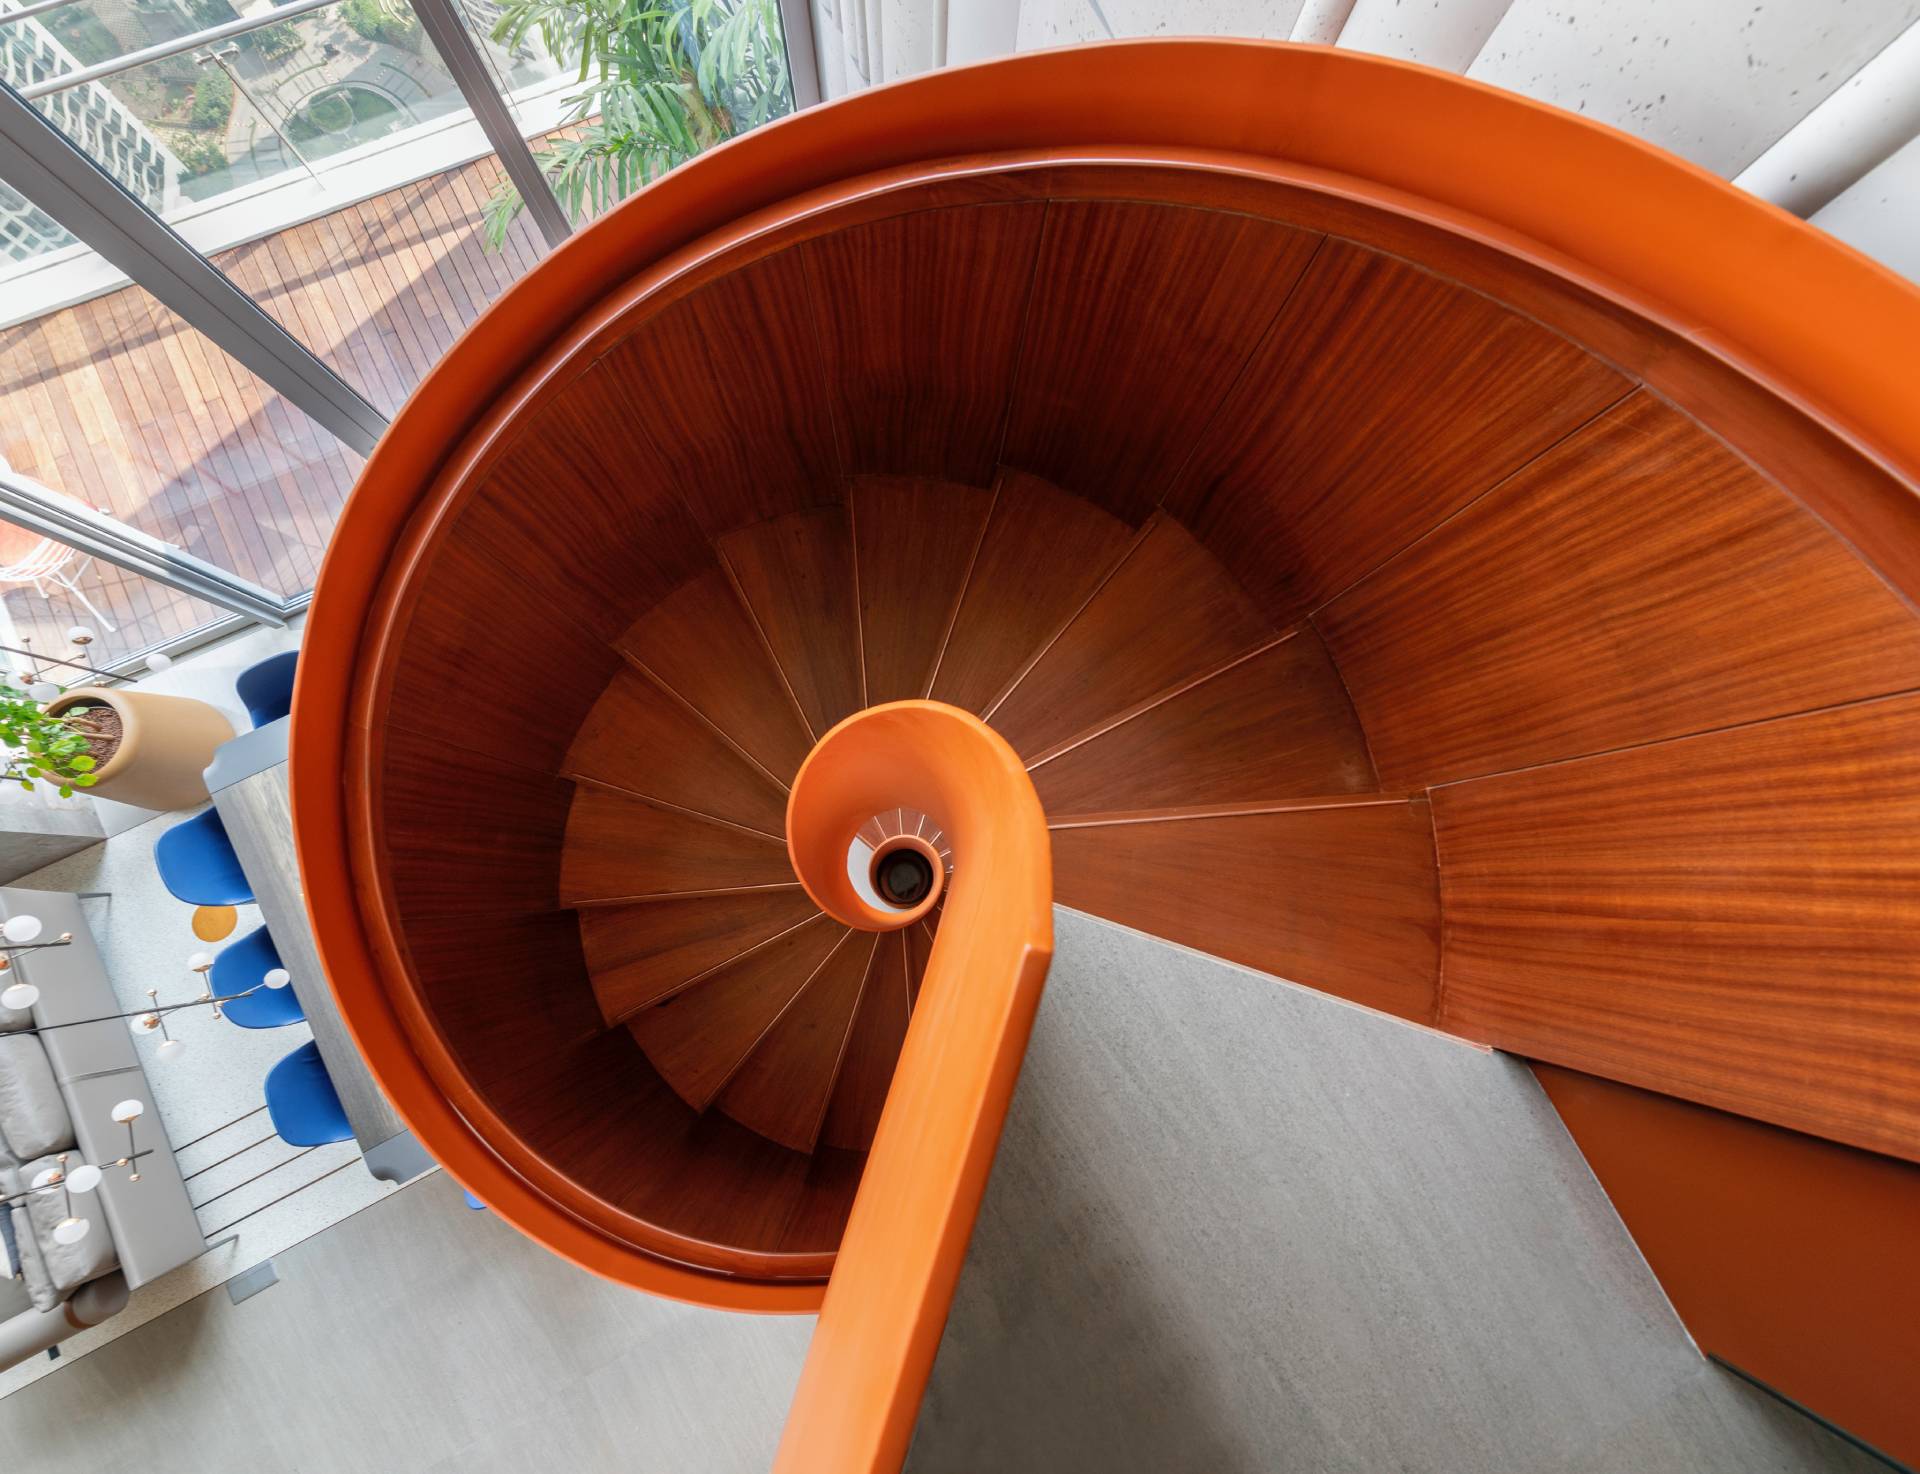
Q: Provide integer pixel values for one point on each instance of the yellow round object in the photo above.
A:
(214, 923)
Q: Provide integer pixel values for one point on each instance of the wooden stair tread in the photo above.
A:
(1133, 639)
(698, 1037)
(796, 574)
(1043, 553)
(639, 738)
(619, 846)
(914, 540)
(1343, 898)
(1277, 722)
(873, 1049)
(701, 644)
(637, 955)
(783, 1089)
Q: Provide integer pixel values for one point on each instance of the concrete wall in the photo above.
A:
(1239, 1225)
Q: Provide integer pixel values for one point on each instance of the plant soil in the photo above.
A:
(100, 725)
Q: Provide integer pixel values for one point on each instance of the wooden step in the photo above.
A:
(1342, 895)
(641, 739)
(1043, 555)
(637, 955)
(701, 644)
(619, 846)
(698, 1037)
(873, 1049)
(1166, 615)
(783, 1089)
(914, 540)
(1274, 723)
(796, 575)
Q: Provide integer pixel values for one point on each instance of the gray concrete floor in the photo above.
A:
(421, 1336)
(1238, 1225)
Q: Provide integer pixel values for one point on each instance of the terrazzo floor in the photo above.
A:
(244, 1181)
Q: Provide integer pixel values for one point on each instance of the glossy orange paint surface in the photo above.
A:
(1793, 309)
(1788, 1256)
(900, 1258)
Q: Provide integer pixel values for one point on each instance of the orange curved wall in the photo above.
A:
(1789, 1257)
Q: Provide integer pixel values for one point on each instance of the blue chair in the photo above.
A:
(473, 1202)
(197, 863)
(266, 689)
(301, 1102)
(240, 967)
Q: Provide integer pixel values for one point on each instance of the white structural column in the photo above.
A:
(1321, 21)
(1449, 35)
(1715, 81)
(1871, 116)
(1880, 214)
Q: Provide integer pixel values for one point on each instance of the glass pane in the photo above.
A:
(116, 404)
(666, 80)
(124, 612)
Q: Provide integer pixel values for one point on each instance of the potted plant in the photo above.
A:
(135, 747)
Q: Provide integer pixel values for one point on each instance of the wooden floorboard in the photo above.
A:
(118, 404)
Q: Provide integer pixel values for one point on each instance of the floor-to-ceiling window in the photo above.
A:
(359, 178)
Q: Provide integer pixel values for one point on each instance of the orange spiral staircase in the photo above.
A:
(1407, 540)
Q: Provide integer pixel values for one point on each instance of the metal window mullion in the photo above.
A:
(803, 62)
(160, 50)
(53, 516)
(447, 30)
(52, 172)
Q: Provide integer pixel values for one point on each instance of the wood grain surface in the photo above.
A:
(796, 574)
(879, 1029)
(699, 1037)
(1274, 724)
(1115, 379)
(1168, 613)
(914, 542)
(701, 644)
(618, 846)
(1044, 552)
(1383, 400)
(1636, 582)
(637, 955)
(920, 319)
(1732, 918)
(1343, 899)
(639, 738)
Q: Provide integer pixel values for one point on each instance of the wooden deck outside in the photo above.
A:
(118, 404)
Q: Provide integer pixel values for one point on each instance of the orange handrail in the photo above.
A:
(900, 1258)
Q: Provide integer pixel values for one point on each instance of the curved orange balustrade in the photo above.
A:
(900, 1258)
(1791, 309)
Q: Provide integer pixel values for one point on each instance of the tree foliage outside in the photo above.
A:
(212, 100)
(661, 81)
(382, 20)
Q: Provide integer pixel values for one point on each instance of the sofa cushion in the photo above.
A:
(53, 1270)
(33, 1114)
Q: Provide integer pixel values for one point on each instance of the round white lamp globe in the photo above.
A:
(43, 691)
(46, 1177)
(277, 977)
(79, 634)
(20, 929)
(83, 1179)
(146, 1023)
(170, 1050)
(129, 1110)
(20, 995)
(200, 961)
(70, 1230)
(159, 660)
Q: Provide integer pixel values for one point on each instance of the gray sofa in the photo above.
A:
(57, 1093)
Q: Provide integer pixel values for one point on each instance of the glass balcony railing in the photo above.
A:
(320, 154)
